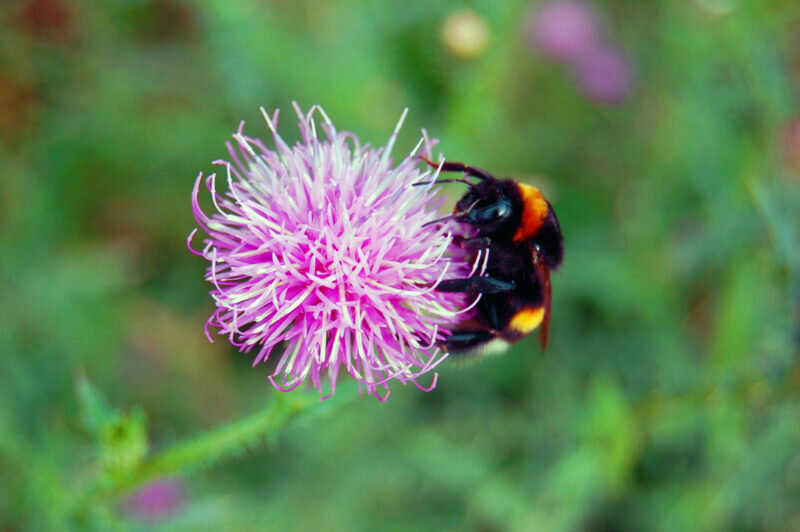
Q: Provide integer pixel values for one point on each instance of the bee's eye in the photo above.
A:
(492, 212)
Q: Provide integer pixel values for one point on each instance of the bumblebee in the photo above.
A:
(519, 230)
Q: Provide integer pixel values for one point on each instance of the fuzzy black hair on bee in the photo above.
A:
(519, 230)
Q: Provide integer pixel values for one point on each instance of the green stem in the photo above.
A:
(216, 445)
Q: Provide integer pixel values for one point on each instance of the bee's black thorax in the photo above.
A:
(518, 228)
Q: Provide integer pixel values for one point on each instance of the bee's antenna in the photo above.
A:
(453, 216)
(438, 181)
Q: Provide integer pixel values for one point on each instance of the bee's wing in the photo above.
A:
(544, 277)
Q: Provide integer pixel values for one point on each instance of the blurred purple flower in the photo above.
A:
(47, 19)
(605, 75)
(156, 500)
(564, 30)
(322, 247)
(791, 142)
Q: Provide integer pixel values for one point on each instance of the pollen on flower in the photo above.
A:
(320, 253)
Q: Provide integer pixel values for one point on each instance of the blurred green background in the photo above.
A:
(668, 398)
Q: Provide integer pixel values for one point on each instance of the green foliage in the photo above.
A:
(667, 400)
(121, 439)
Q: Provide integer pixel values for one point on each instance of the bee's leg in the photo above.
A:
(466, 340)
(458, 167)
(476, 285)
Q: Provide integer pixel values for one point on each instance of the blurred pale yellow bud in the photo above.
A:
(465, 34)
(717, 7)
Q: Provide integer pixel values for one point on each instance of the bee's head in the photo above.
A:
(492, 206)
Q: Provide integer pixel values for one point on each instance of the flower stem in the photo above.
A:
(207, 449)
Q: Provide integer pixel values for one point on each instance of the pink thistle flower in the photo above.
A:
(565, 29)
(322, 248)
(605, 75)
(156, 500)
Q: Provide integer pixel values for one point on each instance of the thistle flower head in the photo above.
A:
(320, 252)
(156, 500)
(605, 75)
(564, 29)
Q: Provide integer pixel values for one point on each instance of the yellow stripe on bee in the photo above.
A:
(527, 320)
(534, 212)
